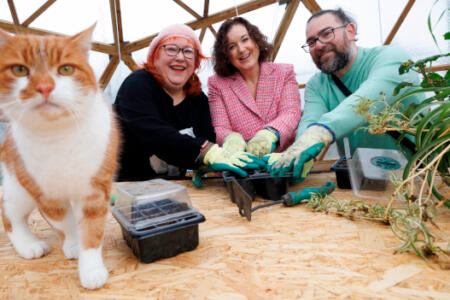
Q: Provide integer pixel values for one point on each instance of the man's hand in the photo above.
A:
(299, 157)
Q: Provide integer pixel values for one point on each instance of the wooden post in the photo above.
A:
(399, 22)
(289, 13)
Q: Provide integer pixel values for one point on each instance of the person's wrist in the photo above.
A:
(325, 131)
(204, 148)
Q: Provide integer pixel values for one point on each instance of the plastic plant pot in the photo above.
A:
(157, 219)
(259, 182)
(371, 171)
(245, 183)
(340, 168)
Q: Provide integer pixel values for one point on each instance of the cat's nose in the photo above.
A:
(45, 89)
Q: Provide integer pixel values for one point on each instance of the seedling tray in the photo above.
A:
(150, 241)
(258, 182)
(340, 168)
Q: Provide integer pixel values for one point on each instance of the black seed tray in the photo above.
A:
(340, 167)
(164, 239)
(259, 182)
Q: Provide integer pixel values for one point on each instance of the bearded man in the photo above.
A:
(348, 72)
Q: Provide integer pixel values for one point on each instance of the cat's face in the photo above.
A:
(45, 79)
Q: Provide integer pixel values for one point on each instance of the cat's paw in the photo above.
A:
(71, 249)
(34, 249)
(93, 278)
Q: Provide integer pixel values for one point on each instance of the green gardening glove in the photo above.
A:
(220, 159)
(264, 142)
(305, 163)
(301, 164)
(197, 177)
(298, 175)
(234, 142)
(271, 158)
(298, 158)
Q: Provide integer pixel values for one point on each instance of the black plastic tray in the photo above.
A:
(340, 167)
(259, 182)
(161, 240)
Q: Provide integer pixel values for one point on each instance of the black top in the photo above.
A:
(150, 125)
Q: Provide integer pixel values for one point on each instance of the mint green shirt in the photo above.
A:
(375, 70)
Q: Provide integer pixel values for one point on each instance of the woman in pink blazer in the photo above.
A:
(254, 104)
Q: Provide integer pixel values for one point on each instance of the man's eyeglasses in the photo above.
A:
(173, 50)
(324, 37)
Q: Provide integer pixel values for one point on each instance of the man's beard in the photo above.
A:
(341, 59)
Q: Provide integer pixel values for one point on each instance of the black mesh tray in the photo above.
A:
(160, 239)
(259, 182)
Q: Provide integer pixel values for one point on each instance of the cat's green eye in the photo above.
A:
(20, 71)
(66, 70)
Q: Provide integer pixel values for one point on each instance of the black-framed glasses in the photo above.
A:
(173, 50)
(324, 37)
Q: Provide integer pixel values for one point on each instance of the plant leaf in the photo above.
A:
(400, 86)
(405, 67)
(447, 36)
(433, 79)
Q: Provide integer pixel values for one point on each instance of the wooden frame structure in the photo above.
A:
(122, 50)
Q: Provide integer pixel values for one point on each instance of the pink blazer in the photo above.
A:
(277, 104)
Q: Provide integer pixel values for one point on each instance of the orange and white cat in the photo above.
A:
(59, 154)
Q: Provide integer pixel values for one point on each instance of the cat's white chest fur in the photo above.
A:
(60, 151)
(62, 160)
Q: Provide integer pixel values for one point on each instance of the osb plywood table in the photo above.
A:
(283, 253)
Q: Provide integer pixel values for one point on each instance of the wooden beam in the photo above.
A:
(129, 61)
(203, 22)
(231, 12)
(112, 7)
(187, 8)
(312, 6)
(439, 68)
(289, 13)
(196, 15)
(119, 21)
(96, 46)
(399, 22)
(38, 12)
(12, 9)
(109, 71)
(205, 14)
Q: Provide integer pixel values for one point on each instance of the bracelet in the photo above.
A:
(205, 145)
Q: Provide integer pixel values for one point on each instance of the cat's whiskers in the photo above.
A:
(22, 110)
(7, 104)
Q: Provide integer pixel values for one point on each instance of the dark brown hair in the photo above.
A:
(338, 13)
(222, 64)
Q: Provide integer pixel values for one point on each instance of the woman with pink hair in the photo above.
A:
(164, 116)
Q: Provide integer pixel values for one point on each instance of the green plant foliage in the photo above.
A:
(407, 221)
(426, 179)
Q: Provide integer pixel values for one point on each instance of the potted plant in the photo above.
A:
(425, 185)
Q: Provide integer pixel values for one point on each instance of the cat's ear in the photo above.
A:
(83, 39)
(4, 37)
